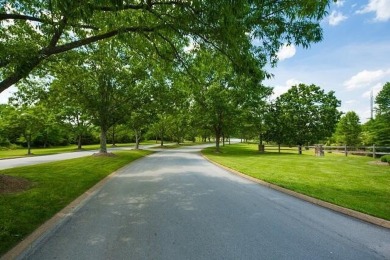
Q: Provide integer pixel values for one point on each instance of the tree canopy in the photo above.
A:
(379, 128)
(382, 100)
(348, 129)
(306, 113)
(34, 33)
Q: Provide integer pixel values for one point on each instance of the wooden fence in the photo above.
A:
(374, 151)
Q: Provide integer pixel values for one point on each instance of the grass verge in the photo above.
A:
(354, 182)
(55, 185)
(22, 152)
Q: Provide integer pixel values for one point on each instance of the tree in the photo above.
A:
(348, 129)
(219, 92)
(102, 84)
(255, 111)
(308, 114)
(379, 128)
(5, 111)
(27, 122)
(35, 32)
(382, 100)
(277, 125)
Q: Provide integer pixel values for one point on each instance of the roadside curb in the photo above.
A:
(28, 245)
(349, 212)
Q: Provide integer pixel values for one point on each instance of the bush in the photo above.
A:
(385, 158)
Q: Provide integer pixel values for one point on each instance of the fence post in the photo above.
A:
(345, 150)
(373, 151)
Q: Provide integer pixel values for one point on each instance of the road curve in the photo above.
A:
(25, 161)
(176, 205)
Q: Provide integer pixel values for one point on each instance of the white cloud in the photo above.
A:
(7, 94)
(286, 52)
(340, 3)
(292, 82)
(336, 18)
(279, 90)
(380, 7)
(353, 101)
(365, 78)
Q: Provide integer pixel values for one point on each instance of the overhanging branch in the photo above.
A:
(20, 17)
(27, 66)
(92, 39)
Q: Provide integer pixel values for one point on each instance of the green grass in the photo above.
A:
(22, 152)
(353, 182)
(55, 185)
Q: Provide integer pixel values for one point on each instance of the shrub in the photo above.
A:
(385, 158)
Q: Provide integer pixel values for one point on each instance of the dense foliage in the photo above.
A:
(126, 70)
(349, 129)
(35, 33)
(305, 115)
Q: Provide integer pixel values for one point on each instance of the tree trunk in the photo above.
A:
(261, 146)
(45, 142)
(299, 149)
(113, 135)
(217, 140)
(223, 140)
(103, 141)
(279, 148)
(29, 144)
(136, 140)
(79, 138)
(162, 139)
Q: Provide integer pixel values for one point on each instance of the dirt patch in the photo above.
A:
(379, 163)
(104, 154)
(10, 184)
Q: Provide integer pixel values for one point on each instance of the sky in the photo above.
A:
(353, 58)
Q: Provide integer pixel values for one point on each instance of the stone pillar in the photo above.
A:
(319, 150)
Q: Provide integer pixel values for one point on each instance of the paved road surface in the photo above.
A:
(24, 161)
(175, 205)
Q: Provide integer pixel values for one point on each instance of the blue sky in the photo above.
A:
(352, 59)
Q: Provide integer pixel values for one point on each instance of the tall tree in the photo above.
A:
(348, 129)
(102, 84)
(219, 92)
(277, 125)
(5, 111)
(309, 114)
(382, 100)
(27, 121)
(255, 110)
(33, 32)
(379, 128)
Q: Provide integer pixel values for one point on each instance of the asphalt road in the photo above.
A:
(25, 161)
(176, 205)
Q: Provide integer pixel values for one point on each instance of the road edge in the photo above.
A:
(28, 245)
(349, 212)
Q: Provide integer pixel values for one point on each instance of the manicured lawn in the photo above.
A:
(54, 185)
(354, 182)
(22, 152)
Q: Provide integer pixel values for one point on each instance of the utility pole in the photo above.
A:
(372, 104)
